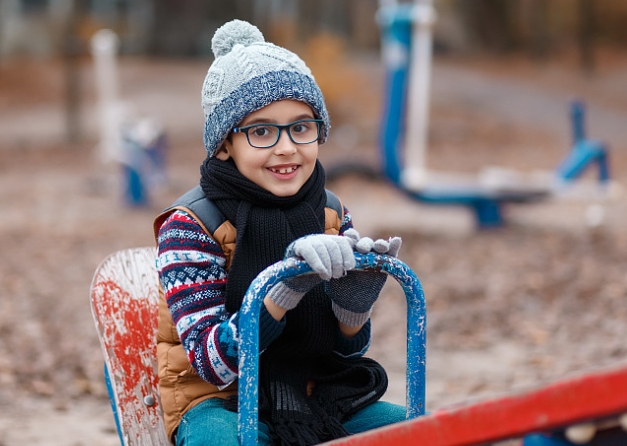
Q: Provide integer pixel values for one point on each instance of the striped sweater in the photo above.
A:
(191, 267)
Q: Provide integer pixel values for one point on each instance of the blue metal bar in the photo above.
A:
(577, 111)
(584, 151)
(112, 401)
(396, 28)
(583, 154)
(249, 334)
(544, 440)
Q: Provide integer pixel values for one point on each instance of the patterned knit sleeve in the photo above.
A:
(191, 268)
(347, 221)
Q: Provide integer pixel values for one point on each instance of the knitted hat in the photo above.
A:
(249, 73)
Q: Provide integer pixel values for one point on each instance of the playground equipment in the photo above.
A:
(143, 161)
(104, 47)
(124, 300)
(124, 303)
(138, 144)
(589, 409)
(249, 333)
(406, 49)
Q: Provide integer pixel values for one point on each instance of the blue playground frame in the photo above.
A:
(249, 334)
(397, 22)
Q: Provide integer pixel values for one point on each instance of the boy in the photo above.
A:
(262, 196)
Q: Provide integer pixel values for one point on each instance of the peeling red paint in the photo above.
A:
(124, 303)
(132, 349)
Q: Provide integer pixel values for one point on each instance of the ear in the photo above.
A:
(223, 153)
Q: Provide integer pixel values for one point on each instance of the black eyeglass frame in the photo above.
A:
(280, 128)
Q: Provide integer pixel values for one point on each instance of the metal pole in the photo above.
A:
(414, 174)
(104, 47)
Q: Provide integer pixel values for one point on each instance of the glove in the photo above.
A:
(354, 295)
(288, 294)
(366, 244)
(327, 255)
(330, 256)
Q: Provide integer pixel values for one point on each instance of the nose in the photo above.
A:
(284, 145)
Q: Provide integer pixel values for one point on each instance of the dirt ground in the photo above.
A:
(541, 298)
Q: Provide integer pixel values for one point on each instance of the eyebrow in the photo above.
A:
(262, 120)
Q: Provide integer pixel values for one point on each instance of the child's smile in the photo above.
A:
(284, 172)
(283, 168)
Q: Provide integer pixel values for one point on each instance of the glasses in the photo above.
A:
(264, 136)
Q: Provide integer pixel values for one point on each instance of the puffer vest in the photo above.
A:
(180, 385)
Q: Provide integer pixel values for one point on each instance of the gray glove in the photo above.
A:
(354, 295)
(366, 244)
(288, 294)
(330, 256)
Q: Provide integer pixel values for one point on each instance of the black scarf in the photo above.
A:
(266, 225)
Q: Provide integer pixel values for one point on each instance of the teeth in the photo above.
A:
(284, 170)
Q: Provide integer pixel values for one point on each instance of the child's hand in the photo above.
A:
(354, 295)
(380, 246)
(289, 293)
(330, 256)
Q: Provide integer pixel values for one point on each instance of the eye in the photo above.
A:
(260, 131)
(301, 127)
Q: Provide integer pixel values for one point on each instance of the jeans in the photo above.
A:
(209, 423)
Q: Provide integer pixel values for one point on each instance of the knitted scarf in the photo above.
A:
(266, 225)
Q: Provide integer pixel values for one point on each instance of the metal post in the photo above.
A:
(414, 174)
(104, 47)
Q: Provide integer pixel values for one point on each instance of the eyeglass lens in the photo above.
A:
(300, 132)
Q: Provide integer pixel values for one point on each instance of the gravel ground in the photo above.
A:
(541, 298)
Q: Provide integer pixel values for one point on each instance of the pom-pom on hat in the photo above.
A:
(249, 73)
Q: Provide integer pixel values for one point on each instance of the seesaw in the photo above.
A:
(589, 409)
(125, 306)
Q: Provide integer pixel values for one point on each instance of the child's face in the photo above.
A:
(283, 168)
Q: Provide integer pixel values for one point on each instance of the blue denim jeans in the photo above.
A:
(209, 423)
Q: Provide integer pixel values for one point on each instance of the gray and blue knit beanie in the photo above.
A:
(249, 73)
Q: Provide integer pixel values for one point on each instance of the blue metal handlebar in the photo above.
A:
(249, 334)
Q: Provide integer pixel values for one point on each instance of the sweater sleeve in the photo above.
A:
(191, 267)
(347, 222)
(357, 345)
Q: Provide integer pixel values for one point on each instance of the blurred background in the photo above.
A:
(539, 297)
(45, 47)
